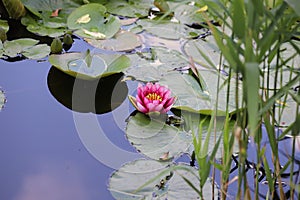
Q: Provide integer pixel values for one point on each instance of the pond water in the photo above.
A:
(46, 153)
(42, 154)
(61, 140)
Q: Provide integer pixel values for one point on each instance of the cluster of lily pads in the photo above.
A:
(121, 29)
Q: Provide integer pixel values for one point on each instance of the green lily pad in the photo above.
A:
(27, 47)
(50, 5)
(129, 8)
(122, 41)
(43, 22)
(92, 21)
(153, 65)
(190, 96)
(155, 139)
(46, 25)
(168, 29)
(149, 179)
(15, 47)
(37, 52)
(201, 50)
(89, 66)
(2, 99)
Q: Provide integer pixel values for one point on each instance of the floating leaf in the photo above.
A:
(43, 23)
(37, 51)
(122, 41)
(89, 66)
(168, 29)
(154, 138)
(153, 65)
(2, 99)
(201, 50)
(130, 8)
(149, 179)
(92, 21)
(25, 46)
(46, 25)
(190, 95)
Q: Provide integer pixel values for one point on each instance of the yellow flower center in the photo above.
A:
(153, 96)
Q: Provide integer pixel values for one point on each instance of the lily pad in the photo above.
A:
(155, 139)
(27, 47)
(50, 5)
(190, 95)
(168, 29)
(129, 8)
(2, 99)
(149, 179)
(37, 52)
(201, 50)
(44, 22)
(87, 65)
(122, 41)
(153, 65)
(92, 21)
(45, 25)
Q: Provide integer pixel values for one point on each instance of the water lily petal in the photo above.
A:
(141, 108)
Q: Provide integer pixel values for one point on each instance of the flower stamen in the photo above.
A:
(154, 96)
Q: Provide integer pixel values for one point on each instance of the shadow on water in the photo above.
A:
(109, 92)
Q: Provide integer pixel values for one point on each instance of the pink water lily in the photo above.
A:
(153, 98)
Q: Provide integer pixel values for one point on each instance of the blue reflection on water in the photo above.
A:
(41, 154)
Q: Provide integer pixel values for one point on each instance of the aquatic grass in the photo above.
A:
(254, 44)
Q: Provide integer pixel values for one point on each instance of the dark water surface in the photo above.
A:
(42, 154)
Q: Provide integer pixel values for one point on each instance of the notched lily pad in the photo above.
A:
(122, 41)
(2, 99)
(149, 179)
(88, 65)
(155, 139)
(27, 47)
(92, 21)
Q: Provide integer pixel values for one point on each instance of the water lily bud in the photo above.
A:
(153, 98)
(56, 46)
(68, 40)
